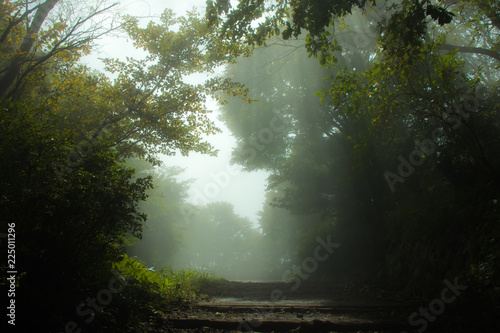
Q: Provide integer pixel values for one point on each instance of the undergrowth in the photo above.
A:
(148, 295)
(173, 287)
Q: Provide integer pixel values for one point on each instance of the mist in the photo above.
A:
(192, 164)
(303, 156)
(224, 221)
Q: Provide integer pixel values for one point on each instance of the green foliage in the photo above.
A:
(172, 287)
(317, 20)
(75, 227)
(414, 91)
(413, 96)
(312, 16)
(145, 296)
(65, 133)
(282, 86)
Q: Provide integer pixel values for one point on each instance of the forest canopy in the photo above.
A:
(388, 141)
(67, 132)
(377, 121)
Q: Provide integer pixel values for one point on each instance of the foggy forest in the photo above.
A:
(376, 125)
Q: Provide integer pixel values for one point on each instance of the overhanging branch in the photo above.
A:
(471, 49)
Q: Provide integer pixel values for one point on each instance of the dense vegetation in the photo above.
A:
(378, 123)
(66, 132)
(397, 158)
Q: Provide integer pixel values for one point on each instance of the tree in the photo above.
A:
(74, 229)
(281, 88)
(287, 19)
(66, 132)
(303, 143)
(403, 143)
(218, 240)
(465, 28)
(162, 236)
(29, 47)
(149, 108)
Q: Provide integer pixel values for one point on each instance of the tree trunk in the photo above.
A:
(15, 65)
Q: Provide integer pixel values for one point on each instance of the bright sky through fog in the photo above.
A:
(215, 179)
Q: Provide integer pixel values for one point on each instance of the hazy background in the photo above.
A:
(246, 191)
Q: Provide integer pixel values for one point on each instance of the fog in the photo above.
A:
(245, 190)
(213, 213)
(210, 179)
(154, 157)
(308, 155)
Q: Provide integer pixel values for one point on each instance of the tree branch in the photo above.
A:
(13, 23)
(471, 49)
(15, 66)
(490, 13)
(73, 39)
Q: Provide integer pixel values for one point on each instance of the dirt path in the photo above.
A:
(318, 306)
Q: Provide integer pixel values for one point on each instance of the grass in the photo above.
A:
(149, 295)
(172, 286)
